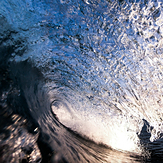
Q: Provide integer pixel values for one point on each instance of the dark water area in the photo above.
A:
(81, 81)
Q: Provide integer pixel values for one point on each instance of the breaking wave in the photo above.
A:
(87, 78)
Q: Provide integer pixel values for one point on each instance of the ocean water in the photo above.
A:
(81, 81)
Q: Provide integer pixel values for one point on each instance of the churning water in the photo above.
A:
(81, 81)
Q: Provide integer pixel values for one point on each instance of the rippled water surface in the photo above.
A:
(81, 81)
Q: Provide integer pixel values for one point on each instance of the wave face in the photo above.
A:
(87, 78)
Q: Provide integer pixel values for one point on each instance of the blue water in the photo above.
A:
(86, 75)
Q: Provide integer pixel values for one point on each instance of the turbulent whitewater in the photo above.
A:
(81, 81)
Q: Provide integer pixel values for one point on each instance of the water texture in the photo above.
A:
(81, 81)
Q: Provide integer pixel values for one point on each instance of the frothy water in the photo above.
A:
(87, 75)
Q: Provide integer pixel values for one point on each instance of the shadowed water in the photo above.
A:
(81, 81)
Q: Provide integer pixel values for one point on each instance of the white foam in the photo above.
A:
(114, 131)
